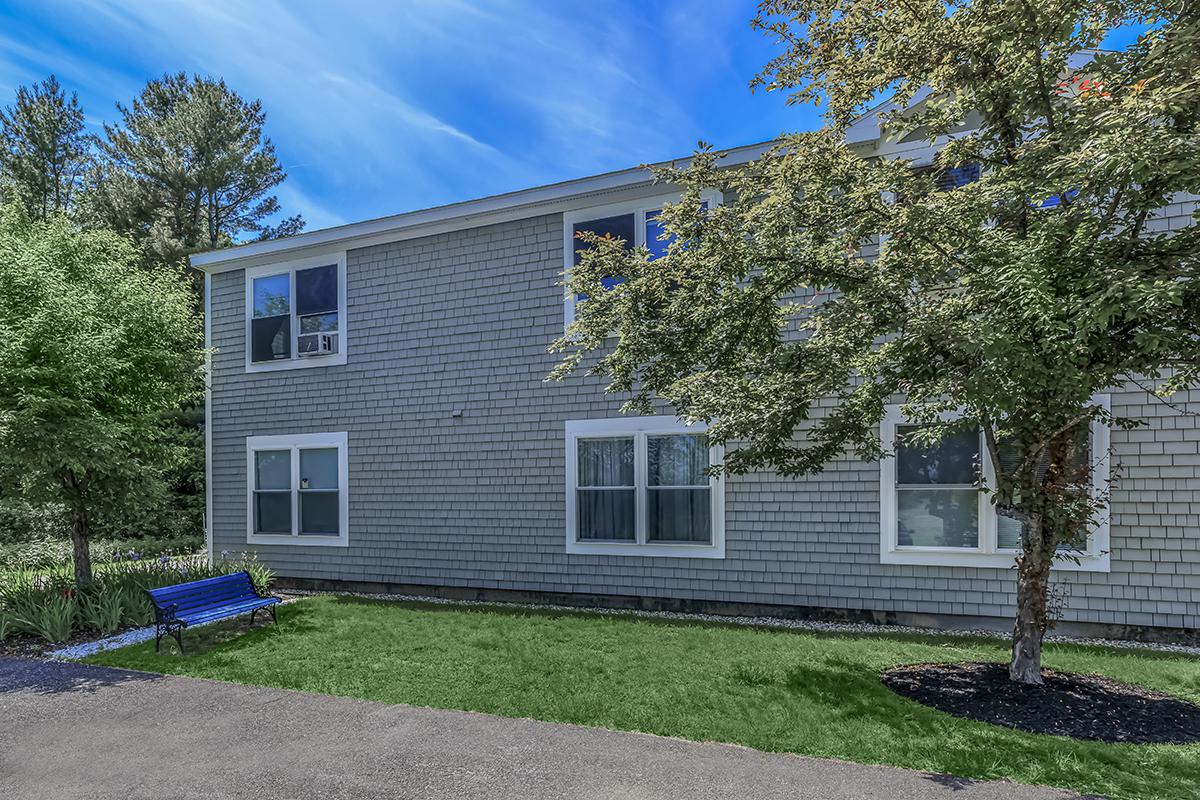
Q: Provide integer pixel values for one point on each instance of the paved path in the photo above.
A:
(70, 731)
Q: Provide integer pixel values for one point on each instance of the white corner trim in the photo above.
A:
(637, 207)
(290, 267)
(639, 428)
(208, 437)
(987, 555)
(295, 442)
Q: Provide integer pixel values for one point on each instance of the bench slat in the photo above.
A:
(208, 594)
(220, 612)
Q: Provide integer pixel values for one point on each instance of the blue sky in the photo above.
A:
(382, 107)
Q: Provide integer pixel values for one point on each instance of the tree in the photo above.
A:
(829, 277)
(187, 169)
(43, 150)
(97, 355)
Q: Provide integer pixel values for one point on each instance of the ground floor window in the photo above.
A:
(297, 489)
(933, 510)
(642, 486)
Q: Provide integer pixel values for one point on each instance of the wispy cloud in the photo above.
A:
(380, 107)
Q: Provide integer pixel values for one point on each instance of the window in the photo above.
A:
(297, 489)
(934, 512)
(641, 486)
(635, 223)
(296, 314)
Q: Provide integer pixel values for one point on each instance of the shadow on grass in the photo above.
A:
(56, 677)
(238, 633)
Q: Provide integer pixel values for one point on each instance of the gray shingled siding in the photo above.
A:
(462, 320)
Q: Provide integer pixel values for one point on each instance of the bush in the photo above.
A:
(44, 603)
(45, 553)
(22, 521)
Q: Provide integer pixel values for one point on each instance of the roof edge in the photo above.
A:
(467, 213)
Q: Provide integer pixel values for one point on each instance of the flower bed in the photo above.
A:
(46, 604)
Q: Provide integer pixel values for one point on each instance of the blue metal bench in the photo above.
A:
(177, 607)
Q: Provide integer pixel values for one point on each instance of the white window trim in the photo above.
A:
(289, 268)
(639, 428)
(296, 442)
(637, 207)
(987, 554)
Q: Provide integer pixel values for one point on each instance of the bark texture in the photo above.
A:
(80, 532)
(1033, 584)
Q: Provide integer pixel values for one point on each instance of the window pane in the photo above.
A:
(618, 227)
(937, 517)
(679, 515)
(1081, 460)
(319, 468)
(273, 469)
(654, 229)
(955, 177)
(270, 338)
(1008, 537)
(273, 512)
(319, 323)
(677, 460)
(606, 462)
(271, 296)
(1008, 530)
(1008, 533)
(316, 290)
(951, 460)
(319, 513)
(605, 514)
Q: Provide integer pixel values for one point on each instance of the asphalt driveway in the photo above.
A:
(72, 731)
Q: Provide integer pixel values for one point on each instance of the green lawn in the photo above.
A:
(812, 694)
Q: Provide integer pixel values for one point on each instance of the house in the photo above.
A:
(379, 418)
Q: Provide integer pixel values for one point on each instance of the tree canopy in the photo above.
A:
(189, 168)
(44, 152)
(97, 356)
(829, 285)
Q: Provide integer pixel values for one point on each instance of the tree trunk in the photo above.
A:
(1033, 585)
(80, 531)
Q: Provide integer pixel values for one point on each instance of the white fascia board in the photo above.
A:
(555, 198)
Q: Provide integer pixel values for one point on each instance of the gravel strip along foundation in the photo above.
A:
(762, 622)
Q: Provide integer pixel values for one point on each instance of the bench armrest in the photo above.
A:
(165, 613)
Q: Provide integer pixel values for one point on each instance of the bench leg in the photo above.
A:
(158, 634)
(178, 634)
(253, 612)
(274, 616)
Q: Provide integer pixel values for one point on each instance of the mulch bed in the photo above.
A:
(1089, 707)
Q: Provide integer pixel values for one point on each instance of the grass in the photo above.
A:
(785, 691)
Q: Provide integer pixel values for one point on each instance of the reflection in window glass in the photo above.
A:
(937, 500)
(271, 296)
(952, 460)
(937, 517)
(316, 290)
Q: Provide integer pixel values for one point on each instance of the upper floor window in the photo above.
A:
(641, 486)
(296, 314)
(934, 510)
(635, 223)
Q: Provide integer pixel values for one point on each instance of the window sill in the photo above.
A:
(303, 541)
(945, 557)
(333, 360)
(653, 550)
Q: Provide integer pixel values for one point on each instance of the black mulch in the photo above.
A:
(1088, 707)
